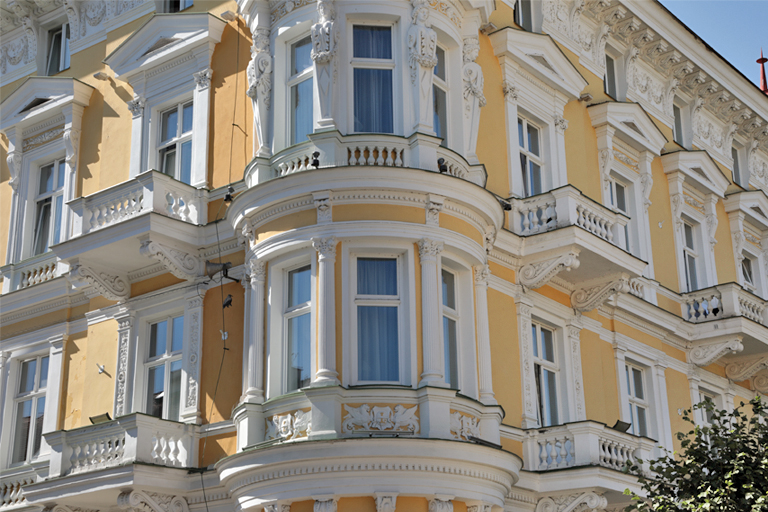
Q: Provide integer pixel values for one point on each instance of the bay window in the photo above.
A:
(29, 409)
(450, 329)
(175, 145)
(440, 98)
(49, 203)
(373, 67)
(638, 402)
(531, 161)
(546, 373)
(298, 328)
(300, 83)
(163, 368)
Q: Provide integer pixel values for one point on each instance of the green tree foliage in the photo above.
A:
(721, 467)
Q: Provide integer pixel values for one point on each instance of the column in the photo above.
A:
(646, 182)
(190, 354)
(482, 273)
(434, 359)
(200, 119)
(253, 355)
(124, 367)
(14, 160)
(576, 381)
(662, 405)
(53, 389)
(326, 312)
(5, 376)
(136, 106)
(530, 396)
(693, 385)
(513, 142)
(620, 353)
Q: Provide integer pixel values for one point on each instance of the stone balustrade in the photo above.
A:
(723, 301)
(12, 482)
(32, 271)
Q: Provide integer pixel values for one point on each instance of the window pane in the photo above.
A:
(535, 339)
(60, 177)
(629, 382)
(21, 431)
(450, 352)
(46, 179)
(177, 333)
(547, 345)
(735, 156)
(39, 416)
(42, 226)
(610, 77)
(168, 161)
(157, 336)
(43, 373)
(301, 111)
(299, 352)
(373, 100)
(440, 67)
(300, 55)
(54, 54)
(642, 427)
(520, 133)
(693, 280)
(449, 289)
(688, 235)
(169, 125)
(376, 276)
(372, 42)
(186, 163)
(621, 200)
(549, 384)
(186, 118)
(678, 135)
(155, 391)
(533, 139)
(174, 391)
(27, 383)
(524, 168)
(527, 22)
(377, 355)
(299, 289)
(637, 377)
(65, 52)
(746, 269)
(535, 179)
(57, 219)
(440, 114)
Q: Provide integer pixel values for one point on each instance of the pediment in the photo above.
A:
(162, 38)
(631, 124)
(539, 55)
(700, 171)
(754, 205)
(40, 98)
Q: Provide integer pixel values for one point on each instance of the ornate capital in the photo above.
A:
(326, 247)
(429, 249)
(14, 165)
(535, 275)
(111, 287)
(136, 106)
(203, 78)
(581, 502)
(386, 502)
(328, 505)
(247, 234)
(438, 505)
(482, 274)
(587, 299)
(434, 207)
(761, 382)
(560, 123)
(324, 207)
(510, 91)
(144, 501)
(742, 370)
(704, 355)
(324, 33)
(179, 263)
(258, 271)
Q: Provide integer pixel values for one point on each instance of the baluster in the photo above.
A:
(166, 449)
(352, 159)
(526, 221)
(579, 216)
(399, 157)
(380, 157)
(563, 452)
(369, 159)
(542, 454)
(156, 447)
(389, 161)
(535, 220)
(175, 450)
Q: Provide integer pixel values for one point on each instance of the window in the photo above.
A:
(50, 196)
(58, 50)
(298, 328)
(638, 404)
(678, 128)
(300, 84)
(163, 367)
(546, 373)
(171, 6)
(746, 272)
(610, 77)
(440, 98)
(524, 14)
(373, 66)
(619, 196)
(689, 256)
(175, 146)
(450, 329)
(377, 304)
(740, 172)
(29, 408)
(530, 156)
(706, 414)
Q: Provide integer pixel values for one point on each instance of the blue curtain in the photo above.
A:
(377, 356)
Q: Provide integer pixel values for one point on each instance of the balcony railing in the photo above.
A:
(129, 439)
(723, 301)
(567, 206)
(381, 150)
(586, 443)
(11, 487)
(150, 191)
(32, 271)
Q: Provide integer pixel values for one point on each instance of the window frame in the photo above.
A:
(64, 50)
(541, 364)
(166, 360)
(681, 134)
(522, 124)
(692, 253)
(636, 402)
(288, 313)
(59, 168)
(164, 6)
(452, 314)
(19, 397)
(177, 141)
(292, 81)
(610, 83)
(441, 83)
(520, 20)
(630, 228)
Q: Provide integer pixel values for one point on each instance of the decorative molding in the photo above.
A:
(259, 72)
(65, 508)
(324, 206)
(704, 355)
(574, 340)
(422, 44)
(433, 208)
(14, 160)
(482, 274)
(572, 503)
(110, 286)
(71, 138)
(136, 106)
(537, 274)
(258, 272)
(124, 335)
(742, 370)
(386, 502)
(429, 249)
(438, 505)
(464, 426)
(203, 78)
(474, 98)
(445, 8)
(326, 247)
(384, 418)
(144, 501)
(292, 425)
(195, 311)
(42, 138)
(482, 507)
(510, 91)
(327, 505)
(587, 299)
(179, 263)
(561, 124)
(760, 382)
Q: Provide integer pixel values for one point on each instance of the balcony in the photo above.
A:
(418, 151)
(35, 270)
(723, 301)
(12, 482)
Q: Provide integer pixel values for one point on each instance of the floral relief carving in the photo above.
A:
(434, 207)
(179, 263)
(326, 247)
(289, 426)
(329, 505)
(93, 13)
(429, 249)
(42, 138)
(386, 503)
(464, 426)
(587, 299)
(384, 418)
(438, 505)
(446, 9)
(124, 330)
(136, 106)
(143, 501)
(571, 503)
(535, 275)
(203, 78)
(704, 355)
(286, 7)
(110, 286)
(510, 91)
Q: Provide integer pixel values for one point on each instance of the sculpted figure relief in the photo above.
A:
(325, 36)
(260, 86)
(422, 58)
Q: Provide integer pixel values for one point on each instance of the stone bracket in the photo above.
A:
(143, 501)
(112, 287)
(586, 501)
(742, 370)
(706, 354)
(179, 263)
(537, 274)
(588, 298)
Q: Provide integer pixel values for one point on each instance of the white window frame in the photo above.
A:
(683, 138)
(630, 229)
(635, 402)
(277, 346)
(57, 192)
(295, 80)
(442, 84)
(381, 248)
(554, 367)
(610, 80)
(34, 395)
(165, 360)
(692, 253)
(546, 182)
(739, 166)
(176, 141)
(64, 50)
(452, 314)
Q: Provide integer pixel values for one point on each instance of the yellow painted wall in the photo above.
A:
(679, 397)
(662, 238)
(598, 369)
(385, 212)
(216, 448)
(505, 363)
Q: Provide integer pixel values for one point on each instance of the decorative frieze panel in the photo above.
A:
(464, 426)
(40, 139)
(145, 501)
(383, 418)
(572, 503)
(386, 502)
(289, 426)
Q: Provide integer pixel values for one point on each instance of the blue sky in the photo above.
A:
(736, 29)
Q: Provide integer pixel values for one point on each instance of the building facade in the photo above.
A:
(336, 256)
